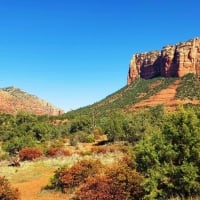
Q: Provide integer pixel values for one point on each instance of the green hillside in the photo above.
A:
(189, 87)
(122, 99)
(141, 89)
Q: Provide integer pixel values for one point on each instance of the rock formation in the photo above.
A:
(172, 61)
(14, 100)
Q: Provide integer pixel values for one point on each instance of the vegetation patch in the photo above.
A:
(7, 192)
(67, 178)
(118, 182)
(29, 153)
(56, 151)
(121, 100)
(189, 87)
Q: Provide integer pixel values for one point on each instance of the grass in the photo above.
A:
(189, 87)
(32, 176)
(35, 169)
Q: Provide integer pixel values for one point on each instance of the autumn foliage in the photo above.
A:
(29, 153)
(117, 183)
(103, 149)
(56, 151)
(6, 191)
(66, 178)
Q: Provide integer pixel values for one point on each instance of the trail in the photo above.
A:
(31, 190)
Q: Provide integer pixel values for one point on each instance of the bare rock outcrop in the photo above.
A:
(172, 61)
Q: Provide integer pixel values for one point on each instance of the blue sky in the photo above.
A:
(73, 53)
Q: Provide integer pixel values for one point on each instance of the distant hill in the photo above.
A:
(13, 100)
(143, 93)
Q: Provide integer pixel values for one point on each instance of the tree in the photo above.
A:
(170, 158)
(113, 127)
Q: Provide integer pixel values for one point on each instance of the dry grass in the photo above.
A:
(180, 198)
(32, 176)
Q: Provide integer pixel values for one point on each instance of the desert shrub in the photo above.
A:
(85, 137)
(81, 124)
(97, 187)
(118, 182)
(29, 153)
(66, 178)
(3, 155)
(6, 191)
(103, 149)
(73, 140)
(82, 137)
(128, 160)
(56, 151)
(15, 143)
(100, 150)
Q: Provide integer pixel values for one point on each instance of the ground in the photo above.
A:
(31, 189)
(32, 176)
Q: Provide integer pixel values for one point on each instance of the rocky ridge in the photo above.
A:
(14, 100)
(172, 61)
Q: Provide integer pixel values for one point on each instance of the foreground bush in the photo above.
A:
(169, 158)
(66, 178)
(6, 191)
(29, 153)
(118, 183)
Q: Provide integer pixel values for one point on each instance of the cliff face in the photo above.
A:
(172, 61)
(13, 100)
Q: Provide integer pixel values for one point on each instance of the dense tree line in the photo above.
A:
(165, 145)
(25, 130)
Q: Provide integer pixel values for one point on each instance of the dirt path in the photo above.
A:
(31, 190)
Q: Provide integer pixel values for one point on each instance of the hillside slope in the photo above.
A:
(13, 100)
(147, 93)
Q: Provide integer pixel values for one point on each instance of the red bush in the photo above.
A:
(6, 191)
(53, 152)
(72, 177)
(103, 149)
(118, 182)
(97, 187)
(29, 153)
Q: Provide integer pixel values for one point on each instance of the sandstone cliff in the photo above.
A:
(13, 100)
(172, 61)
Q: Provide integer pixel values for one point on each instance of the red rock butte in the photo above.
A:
(172, 61)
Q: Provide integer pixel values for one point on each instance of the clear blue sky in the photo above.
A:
(73, 53)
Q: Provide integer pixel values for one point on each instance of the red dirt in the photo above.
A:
(166, 97)
(31, 190)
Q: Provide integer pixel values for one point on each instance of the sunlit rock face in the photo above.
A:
(172, 61)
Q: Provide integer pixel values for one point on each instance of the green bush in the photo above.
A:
(169, 158)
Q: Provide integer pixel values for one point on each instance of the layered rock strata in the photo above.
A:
(172, 61)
